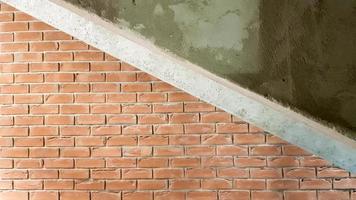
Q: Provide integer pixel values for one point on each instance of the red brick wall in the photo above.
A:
(79, 124)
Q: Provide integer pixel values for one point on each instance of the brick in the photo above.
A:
(13, 26)
(168, 108)
(58, 56)
(180, 96)
(299, 173)
(88, 56)
(5, 17)
(136, 173)
(137, 195)
(74, 109)
(121, 162)
(90, 77)
(59, 77)
(28, 99)
(331, 195)
(75, 152)
(13, 174)
(249, 184)
(58, 185)
(265, 150)
(56, 35)
(28, 142)
(183, 118)
(105, 87)
(266, 173)
(28, 163)
(122, 98)
(168, 129)
(90, 119)
(199, 128)
(44, 195)
(13, 89)
(28, 57)
(58, 163)
(6, 78)
(89, 163)
(74, 67)
(40, 26)
(184, 140)
(72, 88)
(13, 195)
(198, 107)
(74, 174)
(232, 151)
(135, 87)
(6, 142)
(151, 184)
(201, 195)
(105, 174)
(121, 185)
(105, 195)
(44, 88)
(74, 195)
(162, 87)
(283, 161)
(44, 152)
(106, 130)
(213, 184)
(185, 162)
(105, 66)
(251, 162)
(121, 119)
(184, 184)
(21, 16)
(43, 46)
(153, 140)
(200, 151)
(121, 77)
(282, 184)
(216, 139)
(106, 152)
(10, 152)
(43, 131)
(300, 195)
(6, 58)
(105, 109)
(291, 150)
(89, 141)
(122, 141)
(144, 77)
(27, 185)
(137, 151)
(231, 128)
(13, 131)
(152, 97)
(136, 108)
(215, 117)
(59, 141)
(152, 162)
(237, 195)
(5, 185)
(249, 138)
(13, 110)
(89, 185)
(266, 195)
(59, 120)
(13, 47)
(315, 184)
(232, 172)
(89, 98)
(168, 151)
(74, 130)
(169, 195)
(72, 45)
(6, 37)
(28, 36)
(345, 183)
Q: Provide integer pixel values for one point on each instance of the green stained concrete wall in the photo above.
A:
(300, 53)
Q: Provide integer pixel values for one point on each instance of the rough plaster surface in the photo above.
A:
(255, 109)
(300, 53)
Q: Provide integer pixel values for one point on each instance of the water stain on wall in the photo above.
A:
(300, 53)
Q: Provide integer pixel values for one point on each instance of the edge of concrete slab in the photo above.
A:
(133, 49)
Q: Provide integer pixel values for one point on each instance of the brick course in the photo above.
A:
(77, 123)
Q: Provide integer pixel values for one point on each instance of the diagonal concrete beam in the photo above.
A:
(255, 109)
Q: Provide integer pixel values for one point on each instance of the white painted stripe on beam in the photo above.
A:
(236, 100)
